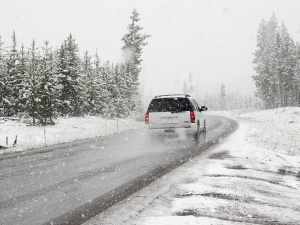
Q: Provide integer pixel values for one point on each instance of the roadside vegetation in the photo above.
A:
(277, 64)
(277, 79)
(42, 83)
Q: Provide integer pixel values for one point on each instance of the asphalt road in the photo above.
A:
(70, 183)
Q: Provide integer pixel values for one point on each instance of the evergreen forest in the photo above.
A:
(42, 83)
(277, 65)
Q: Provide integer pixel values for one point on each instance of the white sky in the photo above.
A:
(213, 40)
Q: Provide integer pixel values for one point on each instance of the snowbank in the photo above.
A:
(65, 130)
(275, 129)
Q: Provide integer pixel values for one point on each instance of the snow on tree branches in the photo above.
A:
(41, 83)
(134, 42)
(277, 63)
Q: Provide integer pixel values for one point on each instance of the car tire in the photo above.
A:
(204, 128)
(198, 127)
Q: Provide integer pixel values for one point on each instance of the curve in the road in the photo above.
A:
(70, 183)
(105, 201)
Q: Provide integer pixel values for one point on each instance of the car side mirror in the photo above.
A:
(203, 108)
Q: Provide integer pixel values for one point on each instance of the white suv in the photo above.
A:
(171, 112)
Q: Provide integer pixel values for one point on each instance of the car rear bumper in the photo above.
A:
(189, 128)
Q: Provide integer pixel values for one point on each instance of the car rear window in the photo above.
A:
(170, 105)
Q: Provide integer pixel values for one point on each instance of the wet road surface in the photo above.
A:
(70, 183)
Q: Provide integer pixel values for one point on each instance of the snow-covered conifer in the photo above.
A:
(23, 74)
(3, 78)
(297, 76)
(100, 87)
(265, 62)
(49, 90)
(13, 81)
(68, 69)
(134, 42)
(90, 105)
(32, 87)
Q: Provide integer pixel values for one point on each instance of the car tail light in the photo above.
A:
(147, 118)
(192, 115)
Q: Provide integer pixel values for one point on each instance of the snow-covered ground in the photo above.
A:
(252, 177)
(65, 130)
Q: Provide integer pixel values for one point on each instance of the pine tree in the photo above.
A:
(22, 73)
(286, 69)
(297, 76)
(272, 30)
(90, 106)
(3, 81)
(108, 81)
(77, 85)
(68, 69)
(123, 91)
(279, 70)
(259, 62)
(100, 87)
(48, 89)
(134, 42)
(116, 97)
(32, 88)
(60, 73)
(12, 80)
(130, 92)
(265, 62)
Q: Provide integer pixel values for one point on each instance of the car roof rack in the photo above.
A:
(172, 95)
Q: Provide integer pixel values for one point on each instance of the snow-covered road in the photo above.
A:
(74, 181)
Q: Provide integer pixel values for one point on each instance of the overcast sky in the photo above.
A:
(213, 40)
